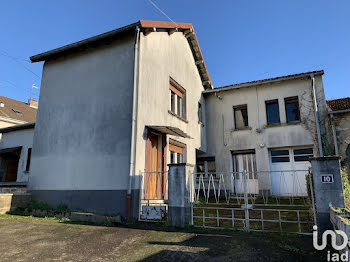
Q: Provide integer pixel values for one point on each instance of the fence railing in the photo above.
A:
(270, 201)
(262, 187)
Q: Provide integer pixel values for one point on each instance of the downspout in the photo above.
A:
(317, 115)
(335, 140)
(133, 124)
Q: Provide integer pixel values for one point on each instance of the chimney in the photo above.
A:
(33, 103)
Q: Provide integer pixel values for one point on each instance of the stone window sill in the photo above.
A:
(241, 129)
(177, 116)
(282, 124)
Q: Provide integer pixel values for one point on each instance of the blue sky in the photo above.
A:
(241, 40)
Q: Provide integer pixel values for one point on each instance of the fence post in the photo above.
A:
(246, 203)
(179, 195)
(328, 188)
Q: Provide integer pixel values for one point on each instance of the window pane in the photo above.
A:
(200, 167)
(303, 151)
(179, 158)
(200, 112)
(279, 152)
(172, 98)
(172, 157)
(278, 159)
(241, 118)
(273, 113)
(302, 158)
(179, 106)
(211, 166)
(292, 110)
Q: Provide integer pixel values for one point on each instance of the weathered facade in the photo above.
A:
(262, 140)
(339, 111)
(109, 107)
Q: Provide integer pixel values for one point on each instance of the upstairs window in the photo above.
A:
(177, 152)
(200, 116)
(272, 112)
(240, 115)
(177, 99)
(292, 109)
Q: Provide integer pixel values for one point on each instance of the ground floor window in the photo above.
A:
(206, 167)
(244, 161)
(177, 152)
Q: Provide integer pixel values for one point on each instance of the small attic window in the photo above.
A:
(17, 111)
(2, 104)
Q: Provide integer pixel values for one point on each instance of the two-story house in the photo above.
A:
(268, 128)
(115, 107)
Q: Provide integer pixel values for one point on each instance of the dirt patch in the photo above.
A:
(40, 239)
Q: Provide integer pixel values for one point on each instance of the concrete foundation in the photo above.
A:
(97, 201)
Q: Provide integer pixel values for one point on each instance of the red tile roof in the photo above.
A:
(339, 104)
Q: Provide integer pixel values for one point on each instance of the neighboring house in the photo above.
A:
(13, 112)
(113, 107)
(265, 127)
(340, 121)
(15, 154)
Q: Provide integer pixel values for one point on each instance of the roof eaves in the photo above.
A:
(265, 81)
(16, 128)
(83, 43)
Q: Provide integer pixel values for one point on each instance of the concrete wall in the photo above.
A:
(342, 127)
(82, 136)
(23, 138)
(163, 56)
(222, 139)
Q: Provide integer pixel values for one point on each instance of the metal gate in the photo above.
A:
(153, 196)
(230, 201)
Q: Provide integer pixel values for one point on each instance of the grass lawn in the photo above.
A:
(48, 239)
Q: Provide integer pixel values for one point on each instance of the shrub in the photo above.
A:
(346, 186)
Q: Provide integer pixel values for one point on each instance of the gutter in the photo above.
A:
(339, 112)
(335, 141)
(12, 120)
(319, 138)
(263, 82)
(133, 123)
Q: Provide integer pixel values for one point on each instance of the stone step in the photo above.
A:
(9, 202)
(13, 189)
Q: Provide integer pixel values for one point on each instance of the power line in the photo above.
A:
(160, 10)
(16, 60)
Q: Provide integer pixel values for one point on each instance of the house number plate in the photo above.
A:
(327, 178)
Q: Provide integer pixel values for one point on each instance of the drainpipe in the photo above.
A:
(317, 115)
(133, 124)
(334, 136)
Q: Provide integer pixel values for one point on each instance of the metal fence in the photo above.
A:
(280, 203)
(153, 196)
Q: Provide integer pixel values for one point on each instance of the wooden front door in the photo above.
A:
(11, 169)
(154, 167)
